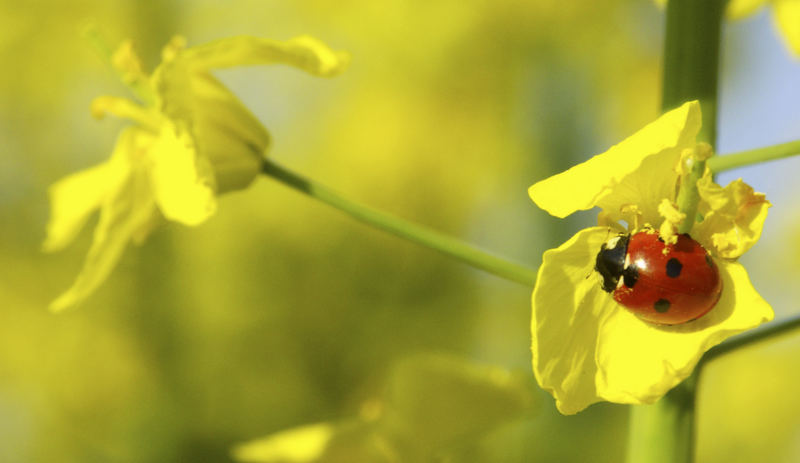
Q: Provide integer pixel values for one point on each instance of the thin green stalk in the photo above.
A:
(688, 194)
(96, 39)
(404, 229)
(140, 88)
(756, 156)
(753, 337)
(664, 431)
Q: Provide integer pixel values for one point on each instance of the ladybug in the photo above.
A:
(664, 284)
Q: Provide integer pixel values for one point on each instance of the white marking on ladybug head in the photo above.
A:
(627, 261)
(612, 242)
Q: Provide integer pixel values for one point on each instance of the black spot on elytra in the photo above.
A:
(674, 267)
(661, 305)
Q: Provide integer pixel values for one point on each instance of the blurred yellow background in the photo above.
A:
(280, 312)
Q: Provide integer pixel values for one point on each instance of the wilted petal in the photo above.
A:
(183, 182)
(225, 132)
(637, 171)
(304, 52)
(125, 210)
(639, 362)
(74, 198)
(568, 308)
(733, 217)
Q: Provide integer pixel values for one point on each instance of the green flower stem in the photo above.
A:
(752, 337)
(404, 229)
(664, 431)
(756, 156)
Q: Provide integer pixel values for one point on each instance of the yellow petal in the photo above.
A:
(738, 9)
(787, 16)
(182, 181)
(636, 171)
(125, 210)
(74, 198)
(733, 217)
(568, 308)
(303, 444)
(304, 52)
(639, 362)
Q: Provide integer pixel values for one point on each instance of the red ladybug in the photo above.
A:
(665, 284)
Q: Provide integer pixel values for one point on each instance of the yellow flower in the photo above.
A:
(587, 347)
(192, 140)
(786, 15)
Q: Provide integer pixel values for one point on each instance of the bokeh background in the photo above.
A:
(280, 312)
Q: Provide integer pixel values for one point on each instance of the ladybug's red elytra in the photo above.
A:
(665, 284)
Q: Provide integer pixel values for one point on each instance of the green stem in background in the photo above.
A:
(664, 431)
(756, 156)
(691, 57)
(753, 337)
(404, 229)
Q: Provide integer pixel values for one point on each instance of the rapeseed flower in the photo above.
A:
(192, 139)
(588, 348)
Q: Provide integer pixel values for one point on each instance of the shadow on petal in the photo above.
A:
(567, 309)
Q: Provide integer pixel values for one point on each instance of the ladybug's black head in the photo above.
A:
(610, 262)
